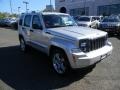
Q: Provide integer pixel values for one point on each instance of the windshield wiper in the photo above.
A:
(58, 26)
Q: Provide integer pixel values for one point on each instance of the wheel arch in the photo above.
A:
(52, 47)
(20, 36)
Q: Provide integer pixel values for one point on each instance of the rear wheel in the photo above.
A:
(60, 62)
(23, 45)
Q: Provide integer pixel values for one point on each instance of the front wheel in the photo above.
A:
(60, 62)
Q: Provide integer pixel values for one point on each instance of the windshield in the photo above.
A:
(96, 18)
(52, 21)
(84, 19)
(111, 20)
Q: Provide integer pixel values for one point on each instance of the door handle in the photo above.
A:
(31, 30)
(48, 32)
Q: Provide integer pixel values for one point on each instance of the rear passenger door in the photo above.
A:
(26, 27)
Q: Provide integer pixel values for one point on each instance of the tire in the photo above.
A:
(60, 62)
(23, 46)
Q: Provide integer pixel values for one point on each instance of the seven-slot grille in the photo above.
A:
(94, 44)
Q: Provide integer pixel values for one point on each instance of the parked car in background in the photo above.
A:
(98, 20)
(110, 24)
(2, 22)
(87, 21)
(10, 21)
(7, 21)
(14, 24)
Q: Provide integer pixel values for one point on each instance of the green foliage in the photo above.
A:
(13, 15)
(4, 15)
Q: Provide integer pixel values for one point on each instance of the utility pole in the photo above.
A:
(51, 7)
(11, 6)
(93, 7)
(19, 10)
(26, 3)
(84, 7)
(50, 2)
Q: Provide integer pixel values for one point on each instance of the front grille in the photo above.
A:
(109, 27)
(94, 44)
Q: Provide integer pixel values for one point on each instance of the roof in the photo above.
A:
(46, 13)
(57, 13)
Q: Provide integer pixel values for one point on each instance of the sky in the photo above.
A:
(34, 5)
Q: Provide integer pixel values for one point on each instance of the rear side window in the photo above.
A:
(21, 20)
(27, 20)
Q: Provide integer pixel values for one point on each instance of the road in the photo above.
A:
(32, 71)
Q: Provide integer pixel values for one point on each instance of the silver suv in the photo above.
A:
(68, 45)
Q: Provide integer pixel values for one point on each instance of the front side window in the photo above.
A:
(27, 20)
(36, 23)
(52, 21)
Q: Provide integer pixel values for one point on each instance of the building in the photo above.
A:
(48, 8)
(88, 7)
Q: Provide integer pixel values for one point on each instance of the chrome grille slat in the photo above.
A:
(94, 44)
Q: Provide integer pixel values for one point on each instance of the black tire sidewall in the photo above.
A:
(25, 49)
(66, 63)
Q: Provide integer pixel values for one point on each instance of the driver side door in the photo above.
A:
(36, 32)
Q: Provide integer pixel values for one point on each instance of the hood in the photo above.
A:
(76, 32)
(83, 22)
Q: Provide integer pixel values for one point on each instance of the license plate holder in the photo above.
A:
(103, 57)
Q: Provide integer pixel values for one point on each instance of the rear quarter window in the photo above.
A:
(21, 20)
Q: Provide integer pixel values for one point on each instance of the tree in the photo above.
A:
(5, 14)
(2, 15)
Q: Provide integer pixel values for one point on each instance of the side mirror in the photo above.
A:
(36, 26)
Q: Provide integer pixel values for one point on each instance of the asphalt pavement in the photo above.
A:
(32, 70)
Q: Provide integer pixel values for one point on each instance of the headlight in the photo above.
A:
(83, 45)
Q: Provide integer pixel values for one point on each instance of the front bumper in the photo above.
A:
(81, 60)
